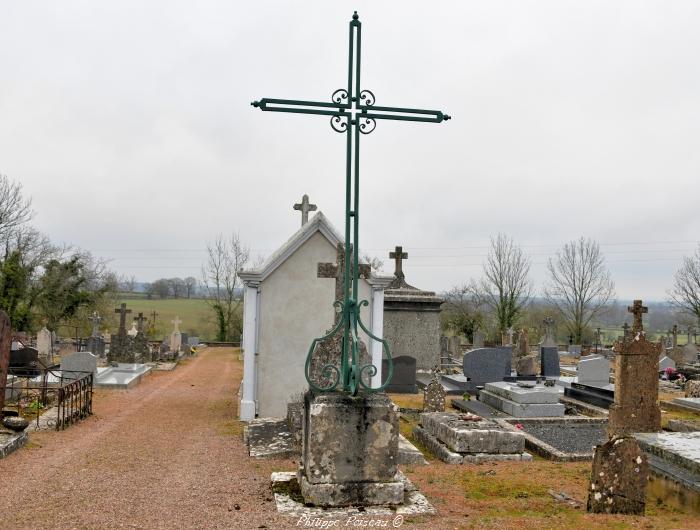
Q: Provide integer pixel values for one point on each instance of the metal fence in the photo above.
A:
(36, 398)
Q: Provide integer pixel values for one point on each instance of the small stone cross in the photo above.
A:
(123, 311)
(510, 335)
(305, 207)
(96, 324)
(176, 322)
(626, 330)
(637, 309)
(337, 270)
(398, 256)
(139, 322)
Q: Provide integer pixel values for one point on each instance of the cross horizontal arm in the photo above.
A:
(300, 107)
(399, 113)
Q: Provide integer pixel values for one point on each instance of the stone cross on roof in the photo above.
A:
(140, 320)
(305, 207)
(637, 309)
(123, 311)
(398, 256)
(176, 322)
(336, 270)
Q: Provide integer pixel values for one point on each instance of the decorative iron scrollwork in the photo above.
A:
(340, 96)
(366, 125)
(367, 98)
(339, 123)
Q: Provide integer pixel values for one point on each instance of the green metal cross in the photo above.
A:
(352, 111)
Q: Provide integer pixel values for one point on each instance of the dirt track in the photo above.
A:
(165, 454)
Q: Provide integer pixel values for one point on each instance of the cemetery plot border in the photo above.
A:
(71, 398)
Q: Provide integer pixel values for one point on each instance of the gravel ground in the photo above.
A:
(569, 438)
(165, 454)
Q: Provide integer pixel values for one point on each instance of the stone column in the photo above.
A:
(250, 334)
(378, 284)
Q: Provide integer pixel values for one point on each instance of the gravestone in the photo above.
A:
(74, 365)
(403, 380)
(486, 365)
(523, 343)
(95, 343)
(666, 362)
(478, 341)
(5, 347)
(434, 395)
(43, 343)
(618, 478)
(193, 341)
(549, 361)
(636, 406)
(594, 369)
(575, 350)
(527, 365)
(140, 342)
(550, 339)
(176, 336)
(121, 344)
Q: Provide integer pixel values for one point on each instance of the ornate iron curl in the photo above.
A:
(328, 370)
(366, 125)
(373, 369)
(367, 98)
(339, 95)
(339, 123)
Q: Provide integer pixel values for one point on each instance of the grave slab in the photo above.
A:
(471, 435)
(693, 403)
(537, 394)
(122, 376)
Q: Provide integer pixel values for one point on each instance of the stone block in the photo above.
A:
(537, 394)
(619, 478)
(463, 433)
(350, 450)
(527, 365)
(522, 410)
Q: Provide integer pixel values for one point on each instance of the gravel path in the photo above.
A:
(165, 454)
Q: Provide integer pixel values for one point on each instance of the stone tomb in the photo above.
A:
(78, 365)
(482, 366)
(403, 380)
(457, 438)
(122, 376)
(533, 401)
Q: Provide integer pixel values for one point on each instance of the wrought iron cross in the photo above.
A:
(352, 111)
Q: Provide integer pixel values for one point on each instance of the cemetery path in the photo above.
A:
(165, 454)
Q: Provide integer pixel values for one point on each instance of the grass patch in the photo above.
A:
(197, 318)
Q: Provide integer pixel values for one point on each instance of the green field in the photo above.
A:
(197, 318)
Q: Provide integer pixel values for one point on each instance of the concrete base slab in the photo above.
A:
(10, 441)
(290, 502)
(522, 410)
(121, 377)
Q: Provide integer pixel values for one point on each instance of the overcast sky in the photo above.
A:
(130, 125)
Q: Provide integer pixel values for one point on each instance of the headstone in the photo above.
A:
(593, 369)
(619, 478)
(486, 365)
(575, 350)
(193, 341)
(75, 365)
(43, 343)
(140, 343)
(121, 344)
(550, 339)
(434, 395)
(527, 365)
(479, 338)
(5, 346)
(176, 336)
(523, 343)
(666, 362)
(636, 406)
(549, 361)
(403, 380)
(350, 451)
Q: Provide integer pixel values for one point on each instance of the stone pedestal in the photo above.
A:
(350, 451)
(636, 406)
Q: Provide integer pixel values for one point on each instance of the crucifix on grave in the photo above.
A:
(139, 322)
(123, 311)
(637, 309)
(305, 207)
(674, 334)
(176, 322)
(625, 330)
(398, 255)
(352, 112)
(96, 319)
(337, 271)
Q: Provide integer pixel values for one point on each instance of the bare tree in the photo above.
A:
(506, 285)
(685, 293)
(225, 259)
(374, 262)
(462, 313)
(191, 286)
(15, 209)
(580, 285)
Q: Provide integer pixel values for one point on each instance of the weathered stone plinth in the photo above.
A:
(619, 478)
(350, 451)
(636, 406)
(121, 349)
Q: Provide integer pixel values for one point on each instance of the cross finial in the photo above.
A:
(140, 319)
(637, 309)
(122, 317)
(305, 207)
(337, 270)
(398, 256)
(176, 322)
